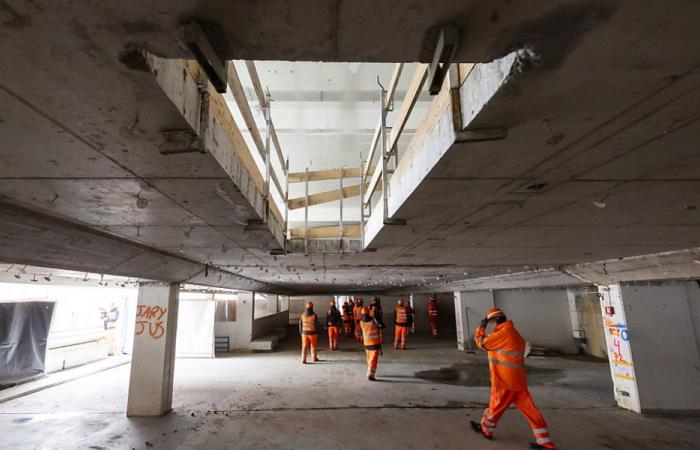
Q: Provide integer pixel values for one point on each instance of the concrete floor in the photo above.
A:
(425, 399)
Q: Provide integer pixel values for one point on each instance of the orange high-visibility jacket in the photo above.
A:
(401, 313)
(357, 311)
(308, 324)
(370, 334)
(506, 351)
(432, 310)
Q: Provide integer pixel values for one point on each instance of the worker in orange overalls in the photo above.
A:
(401, 316)
(333, 321)
(376, 312)
(506, 353)
(309, 328)
(348, 317)
(433, 315)
(357, 312)
(371, 341)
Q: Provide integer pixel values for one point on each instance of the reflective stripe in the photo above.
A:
(544, 440)
(507, 364)
(512, 354)
(540, 430)
(488, 422)
(488, 415)
(488, 430)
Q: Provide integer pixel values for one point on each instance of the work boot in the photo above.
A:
(476, 427)
(370, 378)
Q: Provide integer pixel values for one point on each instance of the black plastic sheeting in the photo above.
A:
(24, 329)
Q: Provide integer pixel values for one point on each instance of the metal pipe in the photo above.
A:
(385, 178)
(306, 212)
(286, 200)
(362, 205)
(340, 225)
(267, 150)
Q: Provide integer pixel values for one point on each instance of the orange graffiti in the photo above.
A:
(151, 317)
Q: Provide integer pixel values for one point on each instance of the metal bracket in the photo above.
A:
(394, 222)
(484, 134)
(445, 51)
(199, 38)
(180, 141)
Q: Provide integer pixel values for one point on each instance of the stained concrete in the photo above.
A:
(269, 400)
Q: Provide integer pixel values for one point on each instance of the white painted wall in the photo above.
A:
(663, 335)
(540, 315)
(470, 308)
(446, 313)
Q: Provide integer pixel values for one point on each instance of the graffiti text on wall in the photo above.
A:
(150, 318)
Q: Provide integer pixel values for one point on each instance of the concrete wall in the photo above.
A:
(470, 308)
(541, 315)
(662, 319)
(240, 331)
(297, 305)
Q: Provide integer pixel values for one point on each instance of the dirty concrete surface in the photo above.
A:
(424, 399)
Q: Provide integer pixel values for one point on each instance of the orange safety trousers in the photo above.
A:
(400, 334)
(372, 362)
(358, 331)
(333, 335)
(499, 402)
(433, 326)
(308, 343)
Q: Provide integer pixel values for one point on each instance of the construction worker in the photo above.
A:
(309, 328)
(357, 312)
(376, 312)
(371, 341)
(506, 353)
(433, 315)
(401, 317)
(348, 317)
(333, 321)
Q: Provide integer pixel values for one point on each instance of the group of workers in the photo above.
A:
(505, 347)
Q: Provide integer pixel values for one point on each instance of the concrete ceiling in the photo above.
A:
(79, 130)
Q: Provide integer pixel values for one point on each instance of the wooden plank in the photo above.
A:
(409, 101)
(257, 87)
(243, 106)
(320, 175)
(327, 232)
(325, 197)
(262, 98)
(393, 83)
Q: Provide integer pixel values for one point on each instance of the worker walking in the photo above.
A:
(371, 341)
(506, 353)
(309, 328)
(357, 313)
(376, 312)
(333, 321)
(433, 315)
(348, 318)
(401, 316)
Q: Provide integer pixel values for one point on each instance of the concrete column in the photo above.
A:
(652, 334)
(470, 308)
(245, 314)
(153, 358)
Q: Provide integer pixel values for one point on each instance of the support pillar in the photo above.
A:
(245, 315)
(470, 308)
(153, 356)
(652, 331)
